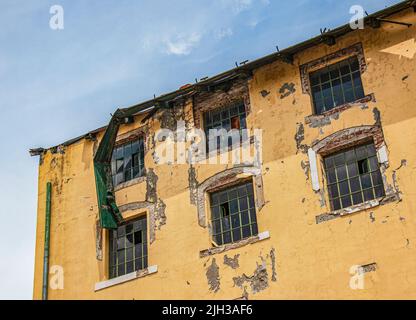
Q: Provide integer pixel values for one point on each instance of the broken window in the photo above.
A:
(128, 162)
(233, 214)
(353, 176)
(128, 248)
(336, 85)
(228, 118)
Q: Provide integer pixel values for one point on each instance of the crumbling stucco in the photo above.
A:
(264, 93)
(273, 259)
(377, 116)
(193, 185)
(151, 185)
(299, 137)
(213, 276)
(167, 119)
(371, 267)
(232, 262)
(286, 90)
(160, 215)
(98, 241)
(305, 167)
(259, 281)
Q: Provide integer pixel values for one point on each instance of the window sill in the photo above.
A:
(130, 183)
(127, 277)
(317, 118)
(211, 251)
(357, 208)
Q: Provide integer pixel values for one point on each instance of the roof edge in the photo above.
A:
(248, 67)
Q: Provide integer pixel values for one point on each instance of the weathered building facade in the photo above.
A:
(329, 212)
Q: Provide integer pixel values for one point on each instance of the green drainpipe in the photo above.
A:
(47, 239)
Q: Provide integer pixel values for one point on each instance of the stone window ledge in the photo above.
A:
(314, 118)
(127, 277)
(129, 183)
(211, 251)
(357, 208)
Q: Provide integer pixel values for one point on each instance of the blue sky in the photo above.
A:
(59, 84)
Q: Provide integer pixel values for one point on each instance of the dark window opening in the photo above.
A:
(128, 162)
(336, 85)
(225, 210)
(233, 214)
(353, 176)
(128, 248)
(363, 166)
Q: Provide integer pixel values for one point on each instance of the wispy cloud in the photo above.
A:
(223, 33)
(182, 44)
(238, 6)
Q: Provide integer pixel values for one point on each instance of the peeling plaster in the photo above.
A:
(99, 240)
(160, 215)
(213, 276)
(273, 259)
(286, 90)
(258, 281)
(372, 218)
(322, 201)
(377, 116)
(264, 93)
(151, 186)
(305, 168)
(371, 267)
(299, 137)
(232, 262)
(193, 185)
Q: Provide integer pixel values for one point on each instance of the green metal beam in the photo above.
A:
(110, 215)
(47, 241)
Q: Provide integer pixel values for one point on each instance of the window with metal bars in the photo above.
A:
(353, 176)
(128, 248)
(233, 214)
(336, 85)
(228, 118)
(128, 162)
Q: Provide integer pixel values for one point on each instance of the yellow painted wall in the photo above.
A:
(312, 260)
